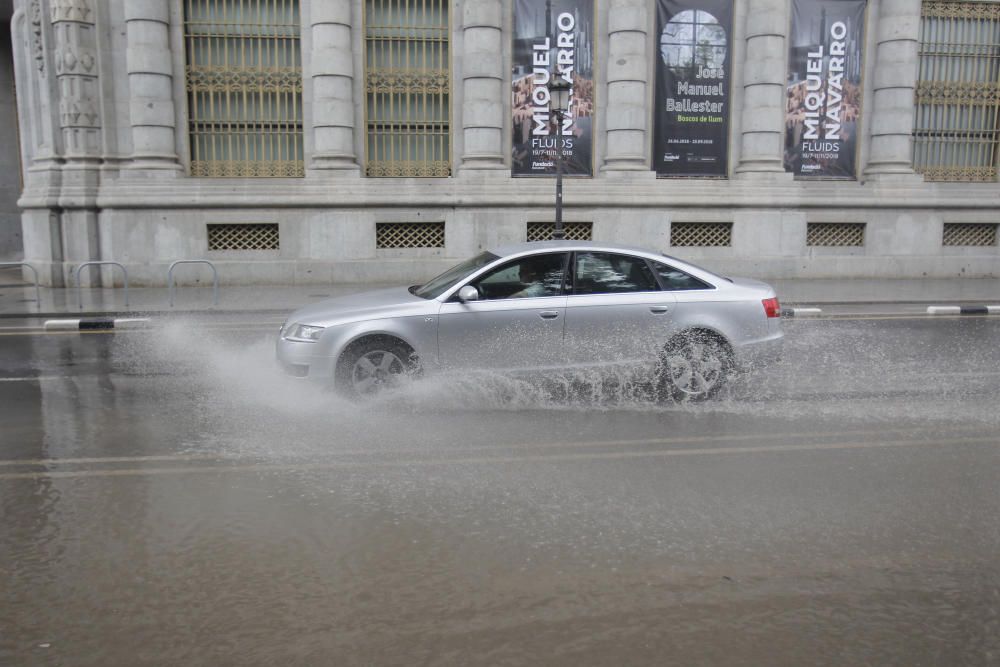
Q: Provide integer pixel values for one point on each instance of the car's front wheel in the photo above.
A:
(372, 366)
(693, 367)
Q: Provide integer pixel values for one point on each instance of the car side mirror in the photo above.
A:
(468, 293)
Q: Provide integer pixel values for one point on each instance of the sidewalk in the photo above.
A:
(17, 300)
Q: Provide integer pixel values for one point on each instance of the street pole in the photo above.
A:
(560, 96)
(558, 234)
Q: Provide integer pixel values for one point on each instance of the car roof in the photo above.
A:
(517, 248)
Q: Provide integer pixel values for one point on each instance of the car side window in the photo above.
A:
(538, 275)
(676, 280)
(608, 273)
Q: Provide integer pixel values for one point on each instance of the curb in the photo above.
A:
(963, 310)
(159, 313)
(801, 312)
(96, 324)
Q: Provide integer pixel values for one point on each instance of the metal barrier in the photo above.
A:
(79, 288)
(215, 279)
(10, 265)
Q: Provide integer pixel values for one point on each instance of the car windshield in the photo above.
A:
(437, 286)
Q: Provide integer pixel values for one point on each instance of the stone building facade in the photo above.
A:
(132, 152)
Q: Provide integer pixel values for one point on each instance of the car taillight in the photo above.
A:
(771, 307)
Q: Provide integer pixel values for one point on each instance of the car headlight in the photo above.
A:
(303, 333)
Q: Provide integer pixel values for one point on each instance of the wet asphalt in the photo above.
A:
(168, 498)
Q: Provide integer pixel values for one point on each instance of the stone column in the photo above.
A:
(150, 78)
(34, 50)
(332, 63)
(483, 87)
(625, 119)
(895, 77)
(764, 73)
(75, 62)
(73, 25)
(37, 92)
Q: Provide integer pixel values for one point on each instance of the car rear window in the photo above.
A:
(676, 280)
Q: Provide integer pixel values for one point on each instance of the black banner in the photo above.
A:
(691, 116)
(823, 106)
(552, 38)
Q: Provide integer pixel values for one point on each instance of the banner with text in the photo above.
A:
(691, 114)
(823, 105)
(552, 38)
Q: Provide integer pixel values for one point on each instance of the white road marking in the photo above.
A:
(492, 460)
(512, 445)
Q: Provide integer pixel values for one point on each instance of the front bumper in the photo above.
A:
(301, 360)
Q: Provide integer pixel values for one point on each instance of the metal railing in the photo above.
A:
(215, 279)
(79, 288)
(10, 265)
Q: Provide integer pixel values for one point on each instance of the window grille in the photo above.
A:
(251, 236)
(573, 231)
(958, 91)
(969, 234)
(409, 235)
(244, 87)
(835, 234)
(408, 88)
(701, 234)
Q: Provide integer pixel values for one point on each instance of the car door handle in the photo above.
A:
(549, 314)
(657, 310)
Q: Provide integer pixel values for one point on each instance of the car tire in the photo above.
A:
(693, 367)
(374, 365)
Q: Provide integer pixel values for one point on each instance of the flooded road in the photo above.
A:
(167, 498)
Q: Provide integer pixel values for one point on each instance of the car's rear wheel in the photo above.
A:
(693, 367)
(373, 366)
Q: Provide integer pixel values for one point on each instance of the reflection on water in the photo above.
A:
(484, 519)
(854, 371)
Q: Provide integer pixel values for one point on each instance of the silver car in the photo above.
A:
(541, 308)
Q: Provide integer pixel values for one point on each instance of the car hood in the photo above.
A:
(376, 304)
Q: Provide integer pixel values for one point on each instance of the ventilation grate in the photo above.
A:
(573, 231)
(409, 235)
(715, 234)
(969, 234)
(835, 234)
(253, 236)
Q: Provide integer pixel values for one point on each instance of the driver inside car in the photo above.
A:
(533, 280)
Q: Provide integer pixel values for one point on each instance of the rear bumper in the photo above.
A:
(762, 353)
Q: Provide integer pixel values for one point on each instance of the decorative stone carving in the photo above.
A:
(69, 59)
(72, 10)
(75, 65)
(79, 113)
(37, 46)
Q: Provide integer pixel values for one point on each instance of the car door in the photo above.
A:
(615, 312)
(516, 324)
